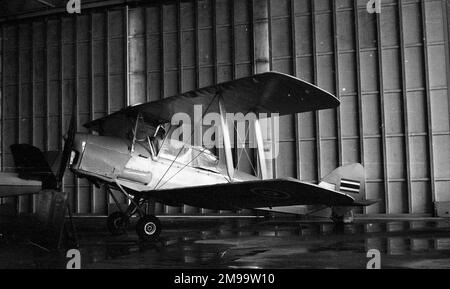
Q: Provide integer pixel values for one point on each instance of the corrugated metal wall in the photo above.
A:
(392, 75)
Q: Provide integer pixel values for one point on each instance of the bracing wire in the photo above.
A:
(181, 149)
(243, 149)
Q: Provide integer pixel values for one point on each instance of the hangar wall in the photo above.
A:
(392, 76)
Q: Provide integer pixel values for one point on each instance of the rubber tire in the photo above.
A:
(112, 225)
(146, 223)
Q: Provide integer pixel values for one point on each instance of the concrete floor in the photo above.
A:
(248, 243)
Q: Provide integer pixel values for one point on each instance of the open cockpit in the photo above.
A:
(161, 142)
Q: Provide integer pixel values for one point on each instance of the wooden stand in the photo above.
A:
(53, 230)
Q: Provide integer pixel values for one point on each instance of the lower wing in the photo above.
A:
(12, 185)
(252, 194)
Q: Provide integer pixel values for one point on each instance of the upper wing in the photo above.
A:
(269, 92)
(251, 194)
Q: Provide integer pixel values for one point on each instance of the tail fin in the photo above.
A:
(31, 164)
(347, 179)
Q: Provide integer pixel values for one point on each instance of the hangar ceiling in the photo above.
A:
(390, 71)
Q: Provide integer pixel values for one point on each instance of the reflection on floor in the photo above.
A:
(248, 243)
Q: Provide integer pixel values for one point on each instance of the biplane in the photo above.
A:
(131, 151)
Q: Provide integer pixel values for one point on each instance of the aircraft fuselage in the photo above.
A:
(111, 159)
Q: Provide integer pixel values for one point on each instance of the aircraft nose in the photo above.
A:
(79, 144)
(79, 141)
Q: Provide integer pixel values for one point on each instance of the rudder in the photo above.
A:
(31, 164)
(348, 179)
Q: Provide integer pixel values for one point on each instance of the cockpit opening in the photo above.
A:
(159, 142)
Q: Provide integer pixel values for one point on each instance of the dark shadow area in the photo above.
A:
(240, 243)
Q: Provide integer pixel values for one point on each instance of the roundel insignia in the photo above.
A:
(271, 193)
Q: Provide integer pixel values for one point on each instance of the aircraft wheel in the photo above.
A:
(148, 228)
(117, 223)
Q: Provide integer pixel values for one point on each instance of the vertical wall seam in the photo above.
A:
(197, 45)
(382, 114)
(19, 84)
(179, 40)
(358, 81)
(233, 63)
(91, 56)
(296, 74)
(233, 39)
(197, 63)
(315, 81)
(359, 91)
(46, 86)
(214, 32)
(2, 99)
(146, 54)
(428, 100)
(126, 55)
(75, 109)
(293, 39)
(61, 74)
(252, 42)
(269, 19)
(272, 119)
(32, 48)
(107, 36)
(215, 55)
(33, 113)
(235, 152)
(91, 96)
(445, 11)
(18, 199)
(151, 204)
(163, 72)
(161, 51)
(405, 106)
(180, 68)
(106, 83)
(336, 85)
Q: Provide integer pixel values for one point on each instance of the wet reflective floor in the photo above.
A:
(248, 243)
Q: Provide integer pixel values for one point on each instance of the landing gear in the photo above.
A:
(117, 223)
(148, 228)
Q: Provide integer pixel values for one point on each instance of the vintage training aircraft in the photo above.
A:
(131, 151)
